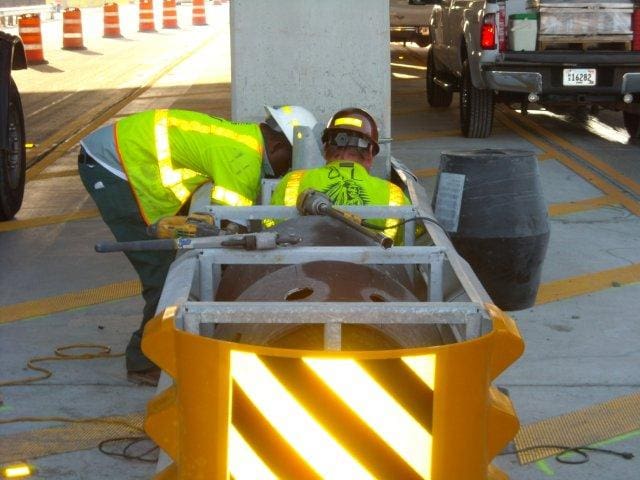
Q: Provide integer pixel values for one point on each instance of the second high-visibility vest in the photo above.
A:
(345, 183)
(168, 154)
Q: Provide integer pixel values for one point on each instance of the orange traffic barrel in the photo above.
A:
(72, 29)
(31, 34)
(199, 13)
(111, 20)
(147, 23)
(169, 14)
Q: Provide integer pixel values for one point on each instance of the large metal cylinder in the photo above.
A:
(323, 282)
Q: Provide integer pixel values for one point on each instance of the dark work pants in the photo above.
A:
(120, 212)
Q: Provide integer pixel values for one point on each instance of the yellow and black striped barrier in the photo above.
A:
(250, 412)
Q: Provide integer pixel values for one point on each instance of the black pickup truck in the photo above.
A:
(12, 135)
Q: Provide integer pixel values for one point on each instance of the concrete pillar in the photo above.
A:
(320, 54)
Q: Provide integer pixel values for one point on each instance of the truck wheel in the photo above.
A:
(436, 95)
(632, 124)
(13, 162)
(476, 107)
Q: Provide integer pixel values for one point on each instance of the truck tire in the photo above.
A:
(436, 95)
(632, 124)
(13, 163)
(476, 107)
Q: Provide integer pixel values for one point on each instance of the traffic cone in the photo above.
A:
(30, 32)
(72, 29)
(147, 23)
(199, 13)
(169, 14)
(111, 21)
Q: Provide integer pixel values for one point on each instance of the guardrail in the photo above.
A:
(9, 16)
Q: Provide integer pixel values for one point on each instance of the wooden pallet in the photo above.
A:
(585, 42)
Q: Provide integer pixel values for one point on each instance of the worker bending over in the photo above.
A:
(147, 166)
(350, 143)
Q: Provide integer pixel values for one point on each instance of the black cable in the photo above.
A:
(124, 453)
(402, 222)
(582, 451)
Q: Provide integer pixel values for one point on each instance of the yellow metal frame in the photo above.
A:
(472, 420)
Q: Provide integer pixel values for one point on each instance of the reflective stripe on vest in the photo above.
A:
(171, 178)
(396, 199)
(229, 197)
(193, 126)
(290, 194)
(293, 187)
(268, 222)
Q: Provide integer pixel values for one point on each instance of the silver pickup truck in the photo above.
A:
(468, 54)
(409, 20)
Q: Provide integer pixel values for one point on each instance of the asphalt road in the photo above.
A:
(581, 336)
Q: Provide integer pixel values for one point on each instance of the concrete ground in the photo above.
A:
(581, 336)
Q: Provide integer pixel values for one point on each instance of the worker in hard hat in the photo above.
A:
(350, 144)
(147, 166)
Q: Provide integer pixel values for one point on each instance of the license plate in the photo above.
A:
(579, 77)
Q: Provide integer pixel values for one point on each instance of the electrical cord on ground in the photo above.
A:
(61, 355)
(124, 453)
(582, 451)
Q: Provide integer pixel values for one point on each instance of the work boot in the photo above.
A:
(136, 360)
(148, 377)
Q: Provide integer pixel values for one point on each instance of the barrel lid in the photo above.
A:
(489, 152)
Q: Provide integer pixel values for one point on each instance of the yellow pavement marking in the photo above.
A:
(558, 209)
(69, 301)
(588, 426)
(408, 65)
(548, 155)
(65, 139)
(611, 190)
(582, 153)
(407, 111)
(83, 435)
(409, 137)
(426, 172)
(588, 283)
(51, 220)
(58, 174)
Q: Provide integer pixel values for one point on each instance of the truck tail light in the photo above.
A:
(488, 32)
(636, 28)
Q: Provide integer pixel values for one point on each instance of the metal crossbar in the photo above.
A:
(198, 317)
(258, 212)
(431, 258)
(392, 313)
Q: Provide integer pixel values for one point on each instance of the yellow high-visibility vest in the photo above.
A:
(168, 154)
(345, 183)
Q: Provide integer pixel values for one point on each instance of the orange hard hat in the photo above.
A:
(353, 121)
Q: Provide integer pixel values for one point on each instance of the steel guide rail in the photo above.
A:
(12, 12)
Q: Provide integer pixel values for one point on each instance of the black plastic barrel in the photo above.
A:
(491, 204)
